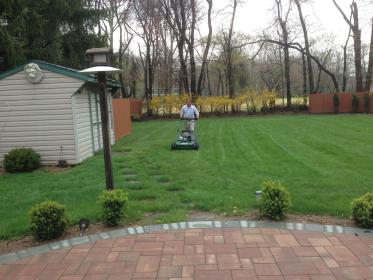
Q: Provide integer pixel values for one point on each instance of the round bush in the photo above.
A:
(275, 200)
(21, 160)
(114, 204)
(362, 210)
(48, 220)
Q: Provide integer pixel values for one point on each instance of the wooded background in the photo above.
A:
(162, 48)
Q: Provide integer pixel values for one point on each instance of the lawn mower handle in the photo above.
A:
(192, 119)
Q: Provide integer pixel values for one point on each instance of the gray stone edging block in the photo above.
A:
(68, 243)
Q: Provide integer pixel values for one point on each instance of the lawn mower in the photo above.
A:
(186, 138)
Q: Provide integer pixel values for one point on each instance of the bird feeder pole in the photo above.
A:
(105, 130)
(100, 60)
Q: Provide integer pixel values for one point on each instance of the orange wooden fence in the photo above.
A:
(122, 117)
(323, 103)
(136, 108)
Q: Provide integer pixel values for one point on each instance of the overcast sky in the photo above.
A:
(322, 17)
(254, 16)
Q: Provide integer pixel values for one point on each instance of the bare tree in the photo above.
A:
(190, 43)
(204, 65)
(282, 18)
(320, 70)
(304, 70)
(357, 41)
(344, 72)
(133, 75)
(122, 12)
(149, 19)
(298, 47)
(114, 14)
(166, 63)
(174, 12)
(368, 80)
(307, 47)
(114, 18)
(183, 17)
(229, 51)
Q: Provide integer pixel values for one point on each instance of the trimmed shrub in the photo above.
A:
(299, 108)
(21, 160)
(336, 103)
(275, 200)
(362, 210)
(114, 204)
(48, 220)
(355, 104)
(367, 103)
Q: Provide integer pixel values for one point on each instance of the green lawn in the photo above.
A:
(325, 161)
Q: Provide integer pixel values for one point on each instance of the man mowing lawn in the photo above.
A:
(189, 112)
(187, 137)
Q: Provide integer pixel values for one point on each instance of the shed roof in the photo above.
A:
(60, 70)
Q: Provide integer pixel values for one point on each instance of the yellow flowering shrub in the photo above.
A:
(249, 100)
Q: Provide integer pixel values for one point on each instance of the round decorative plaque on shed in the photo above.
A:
(33, 73)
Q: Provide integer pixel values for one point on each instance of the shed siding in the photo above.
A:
(83, 125)
(88, 123)
(38, 116)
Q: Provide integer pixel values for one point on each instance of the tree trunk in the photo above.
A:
(206, 51)
(170, 67)
(307, 47)
(183, 67)
(193, 72)
(320, 68)
(208, 80)
(344, 75)
(357, 48)
(285, 38)
(230, 75)
(180, 82)
(304, 76)
(286, 63)
(318, 79)
(149, 82)
(287, 75)
(282, 76)
(368, 80)
(133, 89)
(220, 83)
(357, 42)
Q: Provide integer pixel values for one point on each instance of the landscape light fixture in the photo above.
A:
(258, 195)
(99, 59)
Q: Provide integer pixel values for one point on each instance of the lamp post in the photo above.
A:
(99, 62)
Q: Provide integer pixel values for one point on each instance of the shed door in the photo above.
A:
(95, 113)
(94, 109)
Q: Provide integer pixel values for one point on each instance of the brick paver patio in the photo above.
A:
(243, 253)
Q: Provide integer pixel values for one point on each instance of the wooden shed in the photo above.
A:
(48, 107)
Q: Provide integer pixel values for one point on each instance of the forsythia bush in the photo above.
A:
(249, 100)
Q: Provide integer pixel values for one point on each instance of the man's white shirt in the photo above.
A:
(189, 112)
